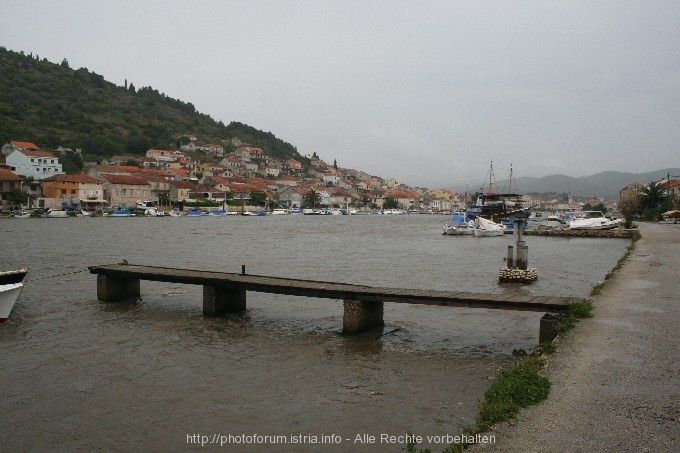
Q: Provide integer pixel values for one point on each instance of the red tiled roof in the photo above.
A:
(6, 175)
(300, 190)
(79, 178)
(183, 185)
(30, 153)
(180, 172)
(26, 145)
(401, 194)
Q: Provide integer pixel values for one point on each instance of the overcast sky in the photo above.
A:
(426, 92)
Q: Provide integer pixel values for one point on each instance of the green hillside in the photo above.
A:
(51, 105)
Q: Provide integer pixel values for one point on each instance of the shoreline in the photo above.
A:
(612, 376)
(616, 233)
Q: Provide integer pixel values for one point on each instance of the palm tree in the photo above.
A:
(312, 199)
(652, 198)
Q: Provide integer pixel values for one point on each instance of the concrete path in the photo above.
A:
(616, 376)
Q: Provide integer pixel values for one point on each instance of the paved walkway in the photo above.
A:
(616, 376)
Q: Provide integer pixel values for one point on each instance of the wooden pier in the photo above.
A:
(363, 305)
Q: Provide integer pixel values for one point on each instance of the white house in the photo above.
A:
(38, 164)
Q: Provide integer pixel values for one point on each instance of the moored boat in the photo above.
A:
(487, 228)
(11, 284)
(592, 220)
(56, 214)
(13, 276)
(257, 212)
(395, 211)
(196, 212)
(218, 213)
(461, 225)
(118, 212)
(153, 212)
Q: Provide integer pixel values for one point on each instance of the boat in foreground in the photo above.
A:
(11, 284)
(13, 276)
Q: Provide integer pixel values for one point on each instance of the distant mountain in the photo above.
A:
(605, 184)
(51, 104)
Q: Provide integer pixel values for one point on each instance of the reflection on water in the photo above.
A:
(78, 373)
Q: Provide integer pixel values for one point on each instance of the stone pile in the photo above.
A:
(507, 274)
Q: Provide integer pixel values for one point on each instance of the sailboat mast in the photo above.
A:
(467, 189)
(510, 188)
(490, 176)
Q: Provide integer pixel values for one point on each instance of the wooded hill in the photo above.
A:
(53, 105)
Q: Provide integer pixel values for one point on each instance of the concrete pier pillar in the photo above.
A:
(217, 301)
(548, 328)
(361, 316)
(522, 259)
(114, 289)
(510, 260)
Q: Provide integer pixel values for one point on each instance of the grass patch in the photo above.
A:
(547, 347)
(577, 311)
(520, 386)
(514, 388)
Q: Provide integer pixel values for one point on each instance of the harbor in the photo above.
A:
(280, 367)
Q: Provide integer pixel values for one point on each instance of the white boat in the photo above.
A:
(257, 212)
(21, 214)
(592, 220)
(152, 212)
(13, 276)
(395, 211)
(175, 213)
(551, 222)
(143, 204)
(486, 228)
(8, 296)
(218, 213)
(11, 284)
(279, 211)
(56, 214)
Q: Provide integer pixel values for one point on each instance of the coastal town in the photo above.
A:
(247, 178)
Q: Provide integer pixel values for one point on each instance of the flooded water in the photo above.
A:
(155, 375)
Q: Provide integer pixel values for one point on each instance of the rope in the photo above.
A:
(30, 275)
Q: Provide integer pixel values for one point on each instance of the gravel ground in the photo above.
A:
(615, 377)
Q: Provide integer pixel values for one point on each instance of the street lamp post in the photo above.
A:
(668, 188)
